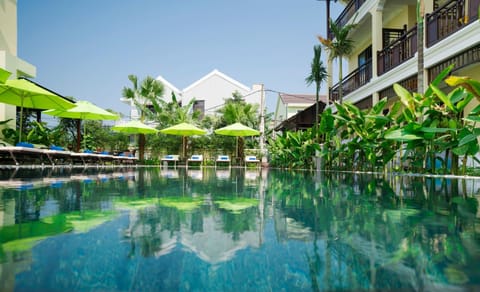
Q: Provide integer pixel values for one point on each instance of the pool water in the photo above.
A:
(152, 229)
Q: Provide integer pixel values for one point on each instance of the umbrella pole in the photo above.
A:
(79, 134)
(84, 134)
(184, 147)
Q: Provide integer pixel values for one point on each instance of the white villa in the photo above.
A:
(209, 92)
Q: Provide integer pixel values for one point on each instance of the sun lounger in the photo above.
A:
(222, 159)
(171, 158)
(251, 159)
(84, 158)
(22, 153)
(195, 159)
(126, 159)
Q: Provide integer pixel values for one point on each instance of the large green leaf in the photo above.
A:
(460, 151)
(444, 98)
(379, 107)
(434, 130)
(467, 139)
(405, 96)
(402, 135)
(467, 98)
(470, 84)
(439, 78)
(472, 118)
(476, 110)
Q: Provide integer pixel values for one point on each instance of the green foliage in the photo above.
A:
(423, 129)
(293, 150)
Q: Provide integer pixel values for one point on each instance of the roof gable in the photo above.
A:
(168, 84)
(218, 74)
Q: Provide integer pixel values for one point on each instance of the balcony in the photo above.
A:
(359, 77)
(347, 13)
(397, 52)
(448, 19)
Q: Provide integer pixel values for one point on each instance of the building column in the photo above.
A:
(375, 98)
(377, 41)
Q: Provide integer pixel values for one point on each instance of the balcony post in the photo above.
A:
(377, 43)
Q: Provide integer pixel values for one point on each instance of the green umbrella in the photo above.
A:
(4, 74)
(237, 130)
(25, 94)
(183, 129)
(83, 110)
(134, 127)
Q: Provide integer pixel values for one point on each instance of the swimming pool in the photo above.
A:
(152, 229)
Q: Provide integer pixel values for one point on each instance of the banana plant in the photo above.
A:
(433, 123)
(294, 150)
(367, 130)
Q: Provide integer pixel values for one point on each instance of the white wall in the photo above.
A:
(214, 88)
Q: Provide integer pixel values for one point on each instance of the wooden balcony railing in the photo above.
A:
(359, 77)
(397, 52)
(410, 84)
(446, 20)
(473, 6)
(347, 14)
(460, 60)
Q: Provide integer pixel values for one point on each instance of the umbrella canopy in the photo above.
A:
(238, 130)
(83, 110)
(183, 129)
(25, 94)
(134, 127)
(4, 74)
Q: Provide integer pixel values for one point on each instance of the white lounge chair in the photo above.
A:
(222, 159)
(171, 158)
(23, 152)
(194, 159)
(251, 159)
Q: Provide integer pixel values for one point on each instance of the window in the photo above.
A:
(365, 56)
(199, 105)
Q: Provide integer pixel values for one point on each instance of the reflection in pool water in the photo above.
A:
(151, 229)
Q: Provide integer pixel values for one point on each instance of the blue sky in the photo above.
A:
(87, 48)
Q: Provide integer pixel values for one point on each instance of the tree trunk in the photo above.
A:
(340, 81)
(316, 112)
(79, 135)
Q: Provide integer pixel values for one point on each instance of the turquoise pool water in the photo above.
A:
(150, 229)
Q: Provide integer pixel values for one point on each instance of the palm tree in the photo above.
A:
(236, 110)
(144, 95)
(318, 74)
(341, 46)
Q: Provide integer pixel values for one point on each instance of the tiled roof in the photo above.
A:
(289, 98)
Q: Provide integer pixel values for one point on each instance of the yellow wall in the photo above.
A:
(8, 54)
(8, 27)
(399, 19)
